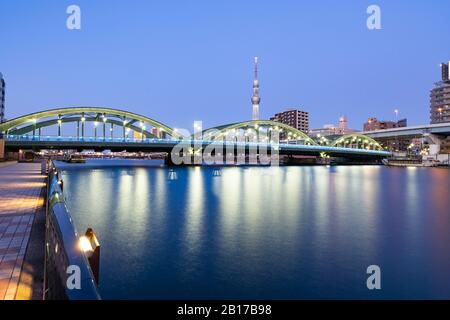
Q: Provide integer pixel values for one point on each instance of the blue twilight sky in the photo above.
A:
(180, 61)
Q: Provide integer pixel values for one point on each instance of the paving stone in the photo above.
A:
(20, 189)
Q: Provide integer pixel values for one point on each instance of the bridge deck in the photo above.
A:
(166, 145)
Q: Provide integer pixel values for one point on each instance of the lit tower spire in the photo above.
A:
(255, 98)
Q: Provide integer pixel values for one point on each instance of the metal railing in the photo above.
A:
(283, 145)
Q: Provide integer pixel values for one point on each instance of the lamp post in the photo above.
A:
(95, 129)
(396, 123)
(104, 127)
(59, 127)
(124, 127)
(83, 119)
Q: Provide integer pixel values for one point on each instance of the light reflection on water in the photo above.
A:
(260, 232)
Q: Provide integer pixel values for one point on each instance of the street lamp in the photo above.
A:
(396, 114)
(59, 127)
(95, 128)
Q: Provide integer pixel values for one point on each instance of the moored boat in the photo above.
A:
(410, 162)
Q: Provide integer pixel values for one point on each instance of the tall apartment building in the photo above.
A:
(293, 117)
(2, 98)
(440, 97)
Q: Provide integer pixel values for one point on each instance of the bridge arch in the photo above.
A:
(356, 141)
(98, 115)
(258, 130)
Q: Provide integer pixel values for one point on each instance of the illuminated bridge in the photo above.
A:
(117, 130)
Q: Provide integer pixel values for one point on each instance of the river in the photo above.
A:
(306, 232)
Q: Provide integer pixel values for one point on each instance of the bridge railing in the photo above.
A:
(83, 139)
(194, 143)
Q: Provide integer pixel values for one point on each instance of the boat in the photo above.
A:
(410, 162)
(76, 159)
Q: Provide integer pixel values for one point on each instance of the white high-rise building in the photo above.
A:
(2, 98)
(255, 98)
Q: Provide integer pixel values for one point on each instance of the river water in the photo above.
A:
(264, 232)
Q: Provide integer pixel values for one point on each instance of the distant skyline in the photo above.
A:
(178, 62)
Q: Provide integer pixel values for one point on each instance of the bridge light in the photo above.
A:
(83, 119)
(143, 127)
(59, 121)
(141, 124)
(95, 123)
(124, 122)
(104, 119)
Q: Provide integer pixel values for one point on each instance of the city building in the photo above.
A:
(397, 144)
(440, 97)
(255, 98)
(2, 98)
(374, 124)
(333, 130)
(293, 117)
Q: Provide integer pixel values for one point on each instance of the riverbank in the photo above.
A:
(22, 189)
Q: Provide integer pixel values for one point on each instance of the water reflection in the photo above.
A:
(281, 232)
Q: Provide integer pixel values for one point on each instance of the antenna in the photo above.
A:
(256, 67)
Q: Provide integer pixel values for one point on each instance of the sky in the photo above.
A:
(181, 61)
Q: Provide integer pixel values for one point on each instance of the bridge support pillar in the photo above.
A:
(435, 143)
(168, 160)
(2, 148)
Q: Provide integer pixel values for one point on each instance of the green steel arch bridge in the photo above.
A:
(117, 130)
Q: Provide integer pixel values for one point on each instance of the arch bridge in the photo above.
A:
(258, 131)
(105, 128)
(100, 118)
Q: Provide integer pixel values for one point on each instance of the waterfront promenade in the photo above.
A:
(20, 198)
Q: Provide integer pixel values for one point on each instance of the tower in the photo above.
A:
(343, 124)
(255, 98)
(2, 98)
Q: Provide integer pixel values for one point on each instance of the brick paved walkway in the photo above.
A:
(20, 196)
